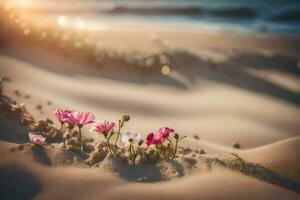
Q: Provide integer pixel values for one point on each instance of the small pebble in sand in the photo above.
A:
(18, 93)
(187, 149)
(39, 107)
(27, 96)
(196, 137)
(49, 103)
(236, 145)
(202, 151)
(142, 179)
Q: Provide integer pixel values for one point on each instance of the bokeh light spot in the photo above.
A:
(62, 20)
(165, 70)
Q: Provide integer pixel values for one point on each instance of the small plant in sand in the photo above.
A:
(62, 116)
(124, 119)
(128, 145)
(80, 119)
(73, 118)
(132, 140)
(158, 139)
(105, 128)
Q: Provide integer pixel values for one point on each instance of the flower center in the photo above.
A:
(130, 140)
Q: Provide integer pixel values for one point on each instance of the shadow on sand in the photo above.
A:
(255, 170)
(16, 183)
(144, 172)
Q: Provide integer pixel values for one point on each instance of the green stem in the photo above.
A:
(61, 128)
(175, 150)
(132, 154)
(110, 136)
(61, 125)
(170, 142)
(118, 135)
(135, 155)
(108, 144)
(130, 151)
(80, 139)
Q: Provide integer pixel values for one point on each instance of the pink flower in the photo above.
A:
(164, 132)
(149, 139)
(154, 139)
(103, 127)
(36, 139)
(80, 118)
(62, 114)
(159, 137)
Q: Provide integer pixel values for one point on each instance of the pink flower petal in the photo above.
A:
(62, 114)
(81, 118)
(103, 127)
(36, 139)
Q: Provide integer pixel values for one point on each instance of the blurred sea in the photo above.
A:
(265, 16)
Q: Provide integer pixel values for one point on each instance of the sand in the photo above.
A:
(230, 90)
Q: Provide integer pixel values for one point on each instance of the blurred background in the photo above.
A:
(279, 16)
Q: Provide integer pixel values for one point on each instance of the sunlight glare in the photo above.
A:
(24, 2)
(61, 20)
(80, 24)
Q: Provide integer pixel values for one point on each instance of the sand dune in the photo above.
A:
(282, 157)
(92, 184)
(229, 94)
(240, 116)
(219, 182)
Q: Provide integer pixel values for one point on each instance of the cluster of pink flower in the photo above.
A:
(107, 129)
(159, 137)
(73, 118)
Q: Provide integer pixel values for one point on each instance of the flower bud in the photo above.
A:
(125, 118)
(141, 142)
(176, 136)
